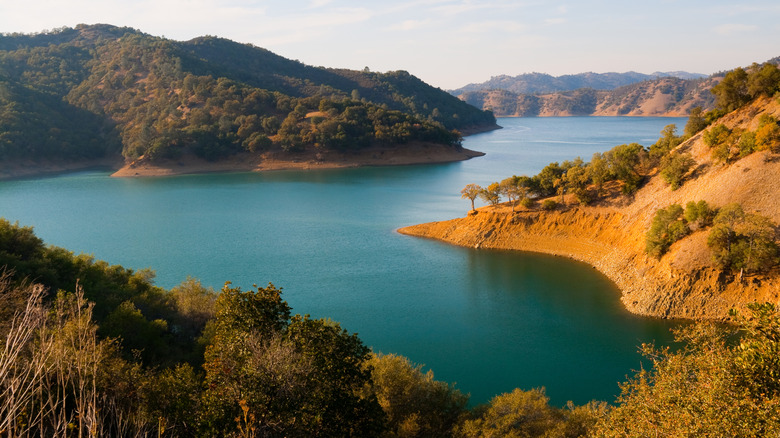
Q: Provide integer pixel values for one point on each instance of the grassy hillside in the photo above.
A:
(686, 228)
(102, 91)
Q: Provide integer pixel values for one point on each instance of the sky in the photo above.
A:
(450, 43)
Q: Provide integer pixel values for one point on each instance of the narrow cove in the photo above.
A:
(488, 320)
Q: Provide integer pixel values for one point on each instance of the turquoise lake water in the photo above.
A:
(490, 321)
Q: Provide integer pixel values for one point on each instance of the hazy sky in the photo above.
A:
(450, 43)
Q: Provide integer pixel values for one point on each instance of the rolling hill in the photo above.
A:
(101, 92)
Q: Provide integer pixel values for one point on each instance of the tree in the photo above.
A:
(415, 403)
(668, 141)
(674, 167)
(545, 180)
(623, 161)
(719, 138)
(768, 133)
(598, 171)
(283, 376)
(711, 386)
(529, 414)
(698, 214)
(667, 227)
(577, 181)
(471, 191)
(696, 122)
(510, 188)
(732, 91)
(742, 241)
(491, 194)
(763, 80)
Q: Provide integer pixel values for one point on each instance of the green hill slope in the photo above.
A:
(101, 90)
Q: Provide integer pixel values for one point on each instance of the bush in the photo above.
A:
(549, 204)
(712, 386)
(667, 228)
(527, 202)
(699, 214)
(674, 167)
(742, 241)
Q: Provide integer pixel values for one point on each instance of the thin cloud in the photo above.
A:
(734, 29)
(411, 25)
(493, 26)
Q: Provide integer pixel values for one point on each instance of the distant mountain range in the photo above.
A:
(666, 96)
(532, 83)
(592, 94)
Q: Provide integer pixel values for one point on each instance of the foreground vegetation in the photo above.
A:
(93, 349)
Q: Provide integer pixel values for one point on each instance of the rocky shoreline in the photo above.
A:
(606, 239)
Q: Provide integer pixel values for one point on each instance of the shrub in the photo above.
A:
(674, 166)
(549, 204)
(743, 242)
(667, 228)
(698, 214)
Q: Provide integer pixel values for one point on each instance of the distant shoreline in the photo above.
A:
(408, 154)
(418, 153)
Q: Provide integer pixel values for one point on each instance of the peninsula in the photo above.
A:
(75, 98)
(691, 277)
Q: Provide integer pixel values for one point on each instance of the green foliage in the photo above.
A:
(512, 189)
(720, 139)
(528, 414)
(767, 134)
(416, 405)
(709, 387)
(732, 91)
(743, 242)
(696, 122)
(698, 214)
(668, 141)
(674, 167)
(578, 180)
(598, 171)
(545, 181)
(763, 80)
(127, 304)
(739, 86)
(549, 205)
(94, 87)
(667, 227)
(623, 162)
(283, 376)
(491, 194)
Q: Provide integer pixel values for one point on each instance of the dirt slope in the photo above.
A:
(684, 282)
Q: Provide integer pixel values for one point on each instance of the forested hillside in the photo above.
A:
(98, 91)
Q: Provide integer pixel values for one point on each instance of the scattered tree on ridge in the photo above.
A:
(471, 191)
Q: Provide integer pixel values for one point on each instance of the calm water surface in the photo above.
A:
(488, 320)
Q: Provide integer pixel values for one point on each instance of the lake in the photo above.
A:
(489, 321)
